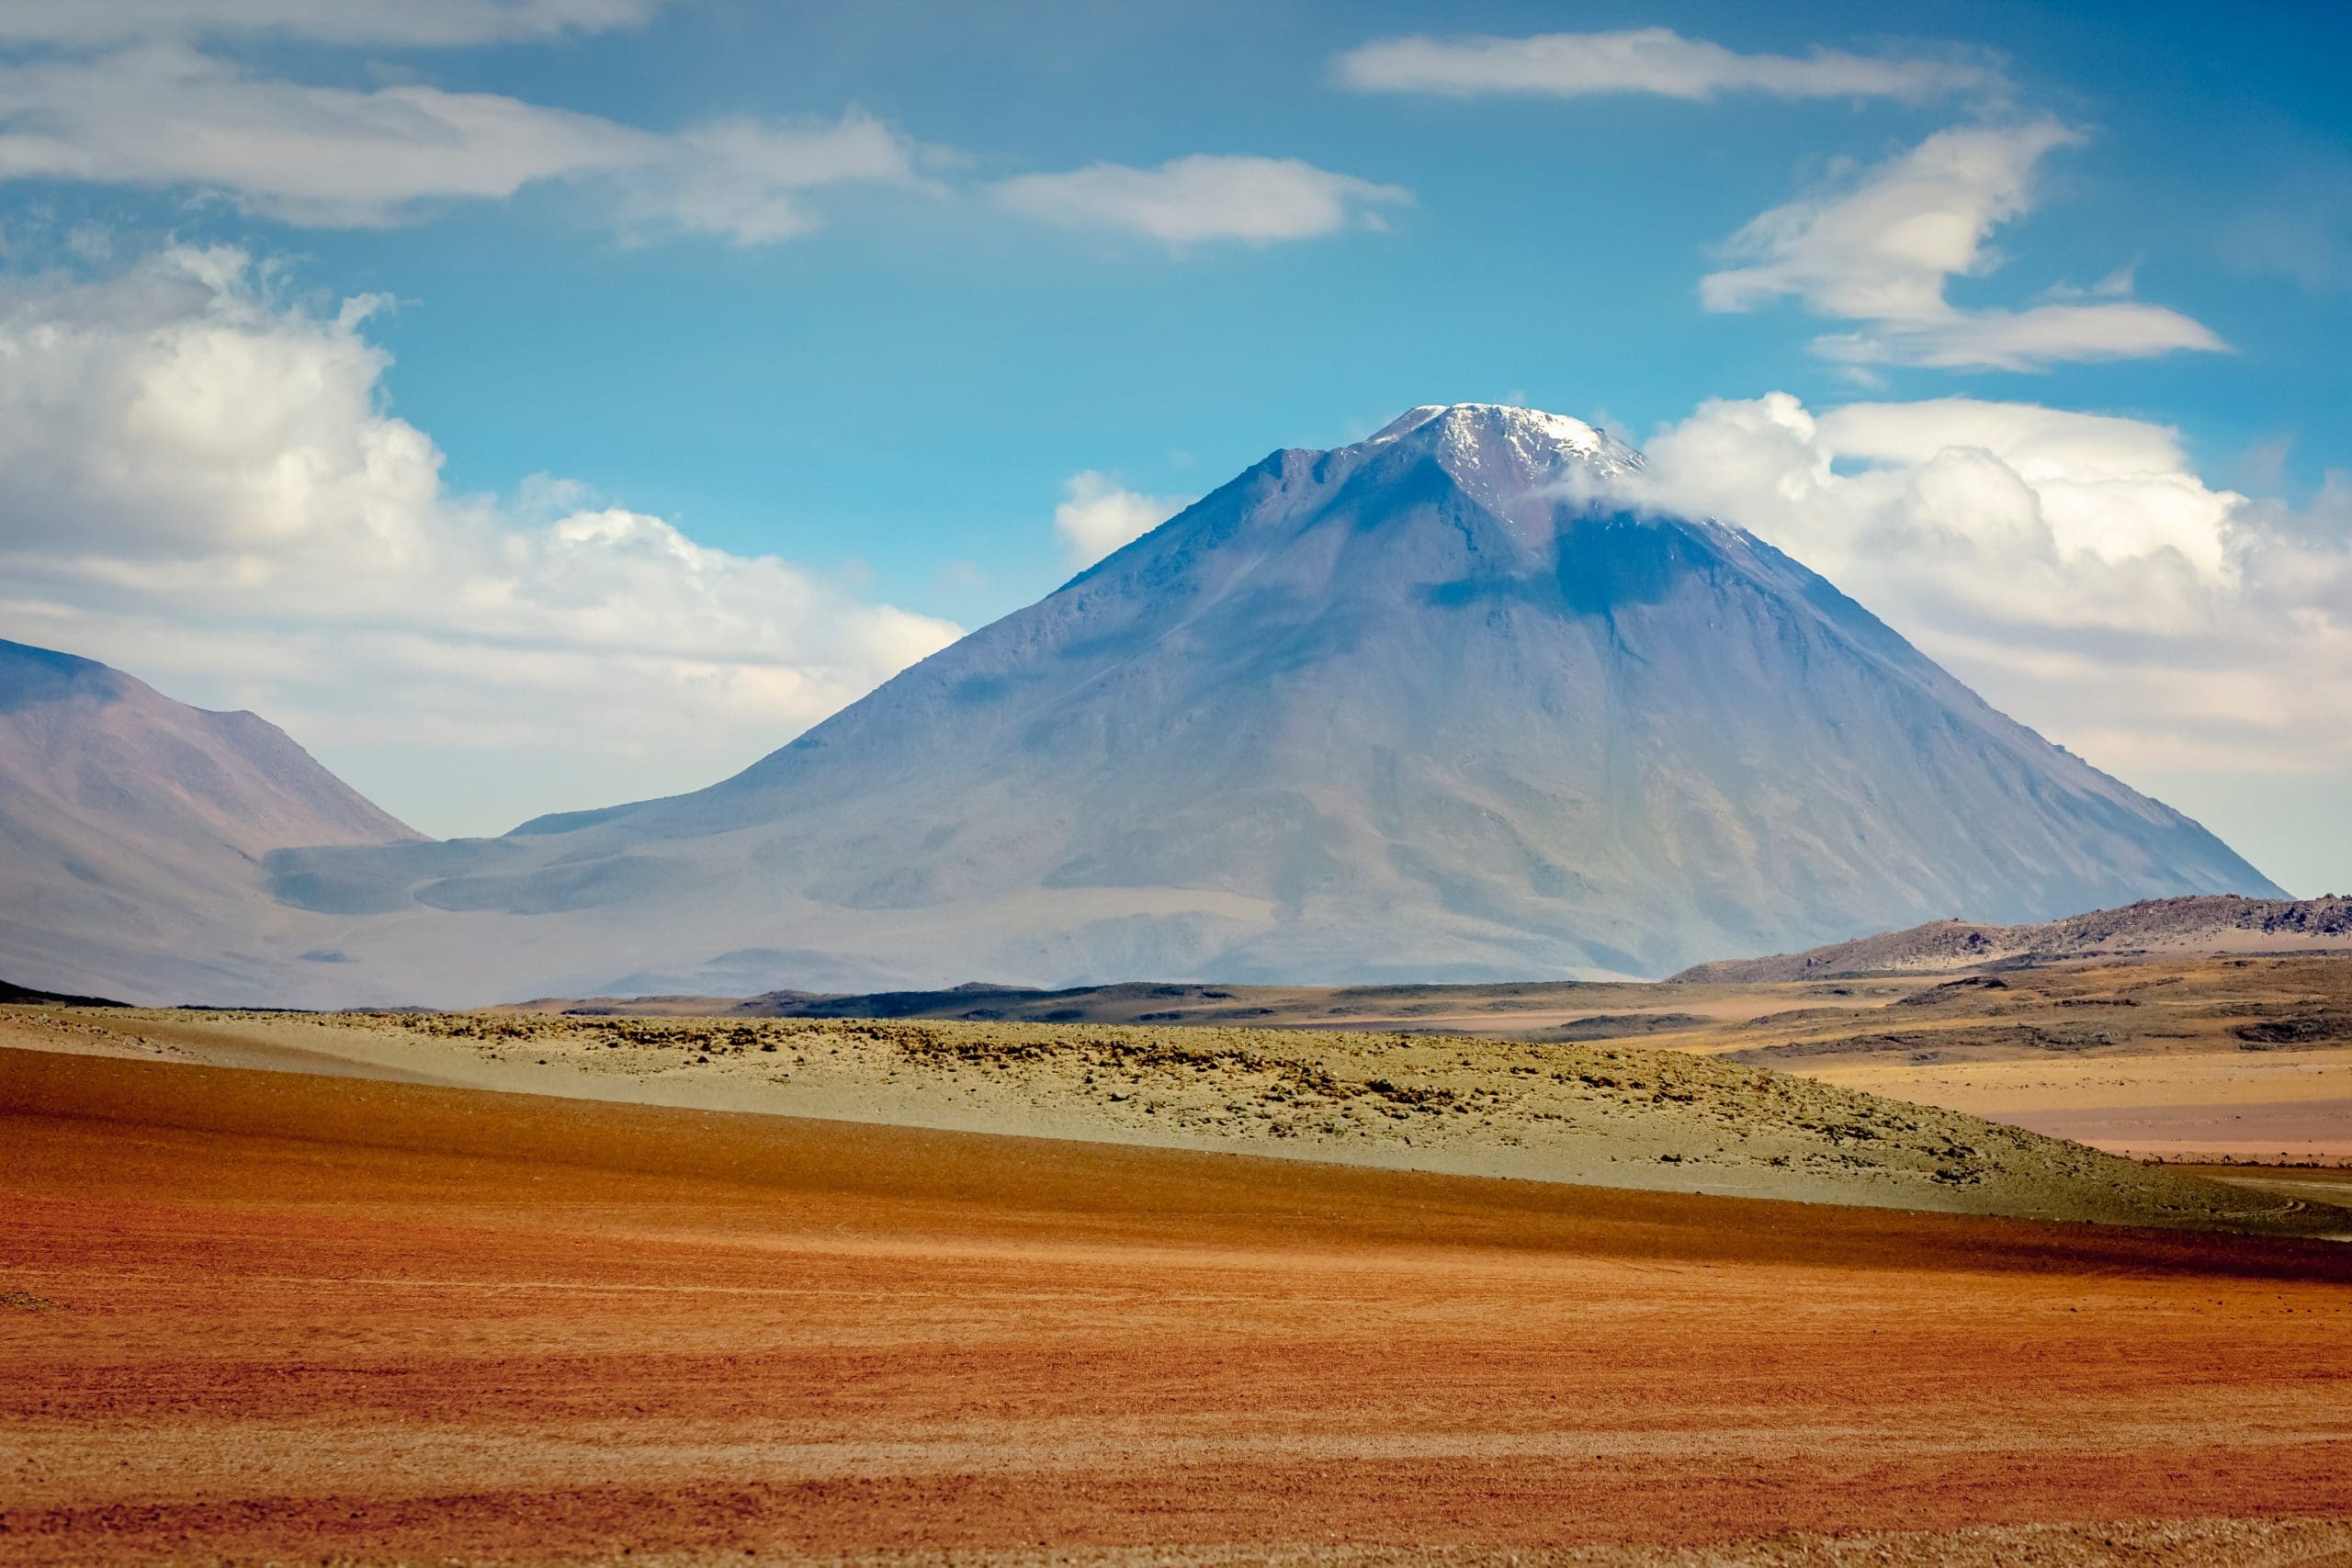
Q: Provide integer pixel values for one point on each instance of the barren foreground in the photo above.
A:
(263, 1316)
(2149, 1051)
(1539, 1110)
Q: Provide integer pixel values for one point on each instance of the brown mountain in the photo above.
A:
(132, 830)
(2214, 924)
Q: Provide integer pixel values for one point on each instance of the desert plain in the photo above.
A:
(1780, 1273)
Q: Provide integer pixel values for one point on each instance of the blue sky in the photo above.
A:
(888, 375)
(905, 389)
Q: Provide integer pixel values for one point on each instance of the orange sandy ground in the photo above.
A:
(255, 1316)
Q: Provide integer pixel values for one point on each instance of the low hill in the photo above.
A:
(19, 996)
(1578, 1113)
(1128, 1002)
(2176, 927)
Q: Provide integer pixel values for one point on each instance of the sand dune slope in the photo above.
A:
(1546, 1112)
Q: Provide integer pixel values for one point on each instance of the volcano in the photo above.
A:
(1434, 706)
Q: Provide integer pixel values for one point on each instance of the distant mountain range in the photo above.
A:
(2208, 925)
(134, 829)
(2199, 926)
(1426, 707)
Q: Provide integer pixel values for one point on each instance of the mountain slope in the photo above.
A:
(1427, 706)
(132, 831)
(2204, 926)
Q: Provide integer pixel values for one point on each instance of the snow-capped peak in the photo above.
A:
(1504, 451)
(1502, 419)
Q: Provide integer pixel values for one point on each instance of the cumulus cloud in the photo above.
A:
(405, 22)
(167, 116)
(1882, 246)
(2074, 567)
(1189, 200)
(198, 482)
(1096, 516)
(1645, 60)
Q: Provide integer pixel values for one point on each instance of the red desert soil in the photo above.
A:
(252, 1316)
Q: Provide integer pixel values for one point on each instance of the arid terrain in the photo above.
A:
(256, 1316)
(1762, 1273)
(2241, 1059)
(2203, 926)
(1603, 1114)
(2181, 1056)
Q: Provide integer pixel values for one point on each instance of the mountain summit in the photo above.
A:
(1503, 452)
(1432, 705)
(132, 830)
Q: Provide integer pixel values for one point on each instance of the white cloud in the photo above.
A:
(1881, 247)
(742, 179)
(199, 483)
(2116, 285)
(2024, 339)
(2073, 568)
(1096, 516)
(1204, 197)
(392, 22)
(1644, 59)
(167, 116)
